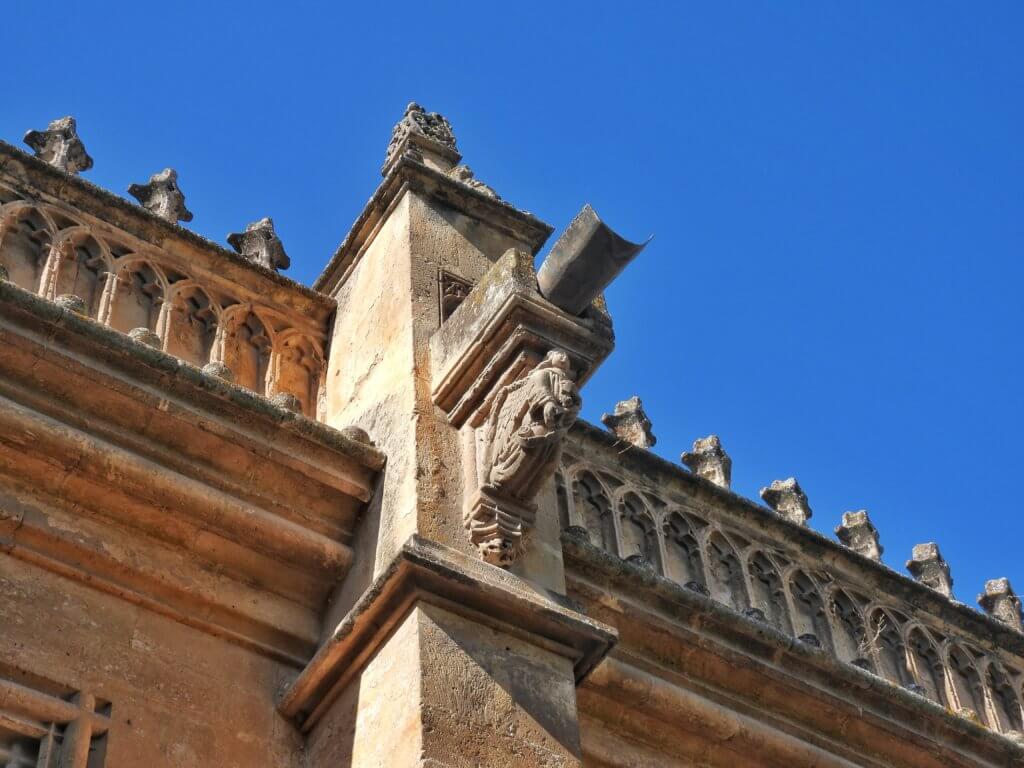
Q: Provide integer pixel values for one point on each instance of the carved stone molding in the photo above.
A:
(859, 534)
(453, 291)
(423, 136)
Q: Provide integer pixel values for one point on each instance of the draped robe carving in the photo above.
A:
(522, 441)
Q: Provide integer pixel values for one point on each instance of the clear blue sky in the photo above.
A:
(836, 192)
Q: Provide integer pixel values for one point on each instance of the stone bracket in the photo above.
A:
(432, 573)
(502, 328)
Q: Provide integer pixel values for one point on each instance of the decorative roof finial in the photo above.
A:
(60, 146)
(929, 568)
(1001, 603)
(630, 423)
(260, 244)
(709, 460)
(788, 499)
(162, 196)
(423, 136)
(859, 534)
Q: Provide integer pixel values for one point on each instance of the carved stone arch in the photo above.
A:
(296, 367)
(593, 507)
(767, 593)
(79, 264)
(8, 195)
(1004, 703)
(61, 218)
(244, 343)
(188, 323)
(849, 630)
(809, 614)
(135, 296)
(637, 527)
(26, 237)
(684, 558)
(925, 661)
(967, 694)
(725, 572)
(887, 646)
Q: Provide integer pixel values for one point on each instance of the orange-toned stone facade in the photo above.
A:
(244, 522)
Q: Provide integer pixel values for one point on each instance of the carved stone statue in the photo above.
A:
(522, 441)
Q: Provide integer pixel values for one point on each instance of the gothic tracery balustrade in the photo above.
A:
(127, 283)
(693, 544)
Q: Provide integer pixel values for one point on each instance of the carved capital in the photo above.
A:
(162, 196)
(60, 146)
(260, 244)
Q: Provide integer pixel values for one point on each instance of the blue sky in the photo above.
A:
(835, 189)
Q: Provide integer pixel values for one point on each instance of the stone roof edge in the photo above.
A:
(594, 560)
(165, 365)
(936, 604)
(421, 177)
(173, 230)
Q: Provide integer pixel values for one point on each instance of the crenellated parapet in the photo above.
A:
(131, 268)
(768, 566)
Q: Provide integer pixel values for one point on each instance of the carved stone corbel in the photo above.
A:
(506, 368)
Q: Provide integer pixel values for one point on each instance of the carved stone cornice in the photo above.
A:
(429, 572)
(710, 663)
(108, 446)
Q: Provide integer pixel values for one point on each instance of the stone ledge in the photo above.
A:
(430, 572)
(716, 635)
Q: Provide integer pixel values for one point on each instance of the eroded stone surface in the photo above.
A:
(424, 136)
(260, 244)
(464, 174)
(709, 460)
(60, 146)
(859, 534)
(1001, 603)
(928, 566)
(629, 422)
(162, 196)
(145, 336)
(788, 499)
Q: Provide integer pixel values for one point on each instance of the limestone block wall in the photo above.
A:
(755, 562)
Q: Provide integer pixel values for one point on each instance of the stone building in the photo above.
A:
(249, 523)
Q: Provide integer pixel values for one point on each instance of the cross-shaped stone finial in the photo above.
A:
(629, 422)
(60, 146)
(1001, 603)
(162, 196)
(788, 499)
(928, 567)
(260, 244)
(859, 534)
(709, 460)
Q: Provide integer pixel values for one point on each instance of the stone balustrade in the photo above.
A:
(645, 510)
(143, 276)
